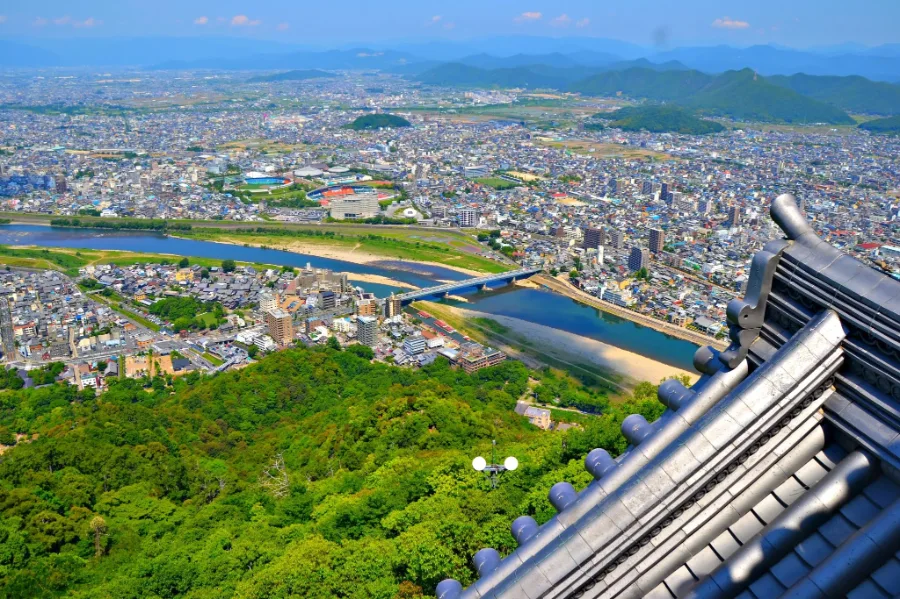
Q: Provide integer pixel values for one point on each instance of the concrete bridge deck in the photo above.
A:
(478, 282)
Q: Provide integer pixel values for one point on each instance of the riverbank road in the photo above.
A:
(563, 287)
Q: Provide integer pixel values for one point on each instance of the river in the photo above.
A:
(533, 305)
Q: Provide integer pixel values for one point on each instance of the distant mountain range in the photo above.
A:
(880, 63)
(755, 83)
(740, 94)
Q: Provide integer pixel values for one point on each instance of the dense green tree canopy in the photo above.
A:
(312, 473)
(378, 121)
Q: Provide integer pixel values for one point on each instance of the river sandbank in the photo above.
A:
(576, 349)
(334, 252)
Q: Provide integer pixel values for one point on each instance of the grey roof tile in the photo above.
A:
(814, 549)
(859, 511)
(766, 587)
(888, 576)
(790, 569)
(867, 590)
(837, 530)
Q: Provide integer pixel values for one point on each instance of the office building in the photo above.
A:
(367, 330)
(614, 295)
(414, 345)
(638, 259)
(472, 357)
(647, 188)
(657, 241)
(594, 238)
(327, 300)
(362, 204)
(280, 325)
(61, 185)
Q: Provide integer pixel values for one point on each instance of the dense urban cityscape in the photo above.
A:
(260, 311)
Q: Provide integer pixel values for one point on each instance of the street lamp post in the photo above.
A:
(493, 470)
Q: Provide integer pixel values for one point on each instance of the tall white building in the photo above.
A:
(468, 217)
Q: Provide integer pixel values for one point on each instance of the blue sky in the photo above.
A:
(798, 23)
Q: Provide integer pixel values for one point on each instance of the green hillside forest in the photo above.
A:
(313, 473)
(741, 95)
(659, 119)
(377, 121)
(853, 93)
(890, 125)
(296, 75)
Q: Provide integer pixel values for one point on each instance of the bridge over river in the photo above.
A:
(476, 283)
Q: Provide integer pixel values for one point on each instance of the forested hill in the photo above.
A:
(296, 75)
(890, 125)
(657, 119)
(741, 95)
(377, 121)
(160, 491)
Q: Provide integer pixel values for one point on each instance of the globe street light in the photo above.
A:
(493, 470)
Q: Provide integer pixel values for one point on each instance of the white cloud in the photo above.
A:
(62, 20)
(88, 22)
(436, 18)
(201, 20)
(562, 20)
(40, 22)
(729, 23)
(583, 22)
(244, 21)
(526, 17)
(283, 26)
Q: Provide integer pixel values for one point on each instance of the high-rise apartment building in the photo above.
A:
(734, 216)
(468, 217)
(392, 306)
(657, 241)
(367, 330)
(704, 207)
(617, 239)
(594, 238)
(267, 302)
(639, 258)
(366, 307)
(280, 325)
